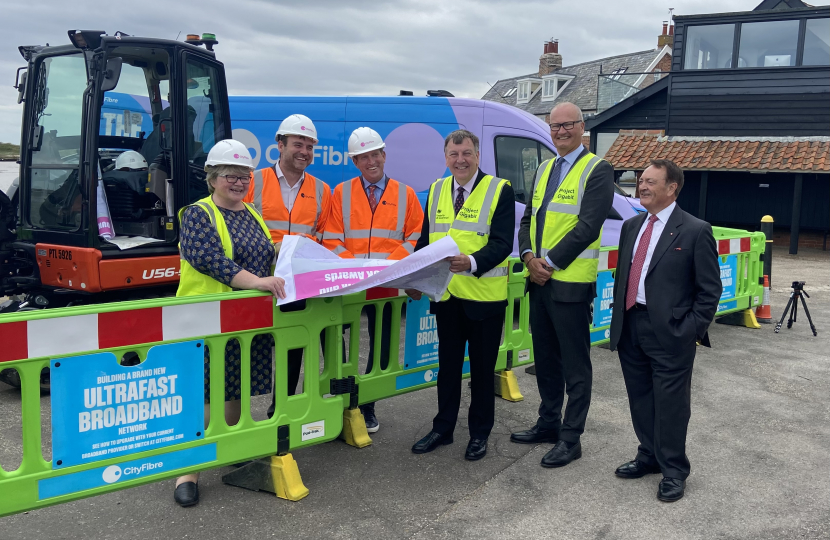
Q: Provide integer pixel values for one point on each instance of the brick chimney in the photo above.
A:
(667, 37)
(550, 60)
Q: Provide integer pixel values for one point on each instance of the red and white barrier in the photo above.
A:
(60, 336)
(734, 245)
(607, 260)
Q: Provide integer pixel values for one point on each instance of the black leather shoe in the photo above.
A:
(560, 455)
(636, 469)
(535, 435)
(671, 489)
(476, 449)
(186, 494)
(430, 442)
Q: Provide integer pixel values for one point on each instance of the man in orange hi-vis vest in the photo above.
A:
(373, 217)
(291, 201)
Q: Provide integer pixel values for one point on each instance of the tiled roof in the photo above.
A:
(634, 149)
(582, 90)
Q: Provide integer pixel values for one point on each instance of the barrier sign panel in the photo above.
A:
(421, 347)
(604, 299)
(102, 410)
(729, 276)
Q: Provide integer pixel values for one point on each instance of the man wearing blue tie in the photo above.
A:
(559, 240)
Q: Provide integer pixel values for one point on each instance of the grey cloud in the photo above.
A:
(335, 47)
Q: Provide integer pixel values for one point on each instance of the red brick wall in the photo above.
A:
(806, 239)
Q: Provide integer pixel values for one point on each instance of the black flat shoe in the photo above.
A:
(535, 435)
(430, 442)
(476, 449)
(186, 494)
(636, 469)
(671, 489)
(560, 455)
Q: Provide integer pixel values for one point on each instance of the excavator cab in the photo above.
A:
(86, 104)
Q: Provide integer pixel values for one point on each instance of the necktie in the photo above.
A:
(637, 265)
(550, 190)
(373, 201)
(459, 200)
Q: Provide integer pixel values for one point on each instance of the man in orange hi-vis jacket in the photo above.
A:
(291, 201)
(373, 217)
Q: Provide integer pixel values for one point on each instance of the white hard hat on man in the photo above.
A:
(298, 124)
(363, 140)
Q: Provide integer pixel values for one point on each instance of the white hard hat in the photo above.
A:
(130, 160)
(230, 152)
(363, 140)
(298, 124)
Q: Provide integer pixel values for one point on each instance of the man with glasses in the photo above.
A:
(559, 240)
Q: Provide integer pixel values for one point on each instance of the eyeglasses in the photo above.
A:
(231, 179)
(567, 125)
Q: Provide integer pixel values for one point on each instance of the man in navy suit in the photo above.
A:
(666, 293)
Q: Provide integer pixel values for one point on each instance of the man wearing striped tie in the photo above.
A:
(559, 240)
(666, 293)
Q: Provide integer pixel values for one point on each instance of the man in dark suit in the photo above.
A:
(476, 210)
(559, 239)
(666, 293)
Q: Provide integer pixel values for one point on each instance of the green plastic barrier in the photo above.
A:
(144, 324)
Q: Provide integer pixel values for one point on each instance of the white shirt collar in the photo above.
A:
(571, 156)
(281, 177)
(468, 187)
(664, 214)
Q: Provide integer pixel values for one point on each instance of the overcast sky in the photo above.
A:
(338, 47)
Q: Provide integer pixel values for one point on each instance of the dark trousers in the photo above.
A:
(562, 353)
(455, 331)
(385, 337)
(659, 389)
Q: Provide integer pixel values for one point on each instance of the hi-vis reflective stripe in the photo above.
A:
(733, 245)
(499, 271)
(59, 336)
(258, 194)
(607, 260)
(480, 226)
(587, 254)
(395, 234)
(574, 208)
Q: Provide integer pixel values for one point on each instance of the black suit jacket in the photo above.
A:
(498, 247)
(682, 284)
(596, 202)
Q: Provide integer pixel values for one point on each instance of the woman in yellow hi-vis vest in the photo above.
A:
(478, 212)
(559, 240)
(226, 245)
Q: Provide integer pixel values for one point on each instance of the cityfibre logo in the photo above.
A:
(114, 473)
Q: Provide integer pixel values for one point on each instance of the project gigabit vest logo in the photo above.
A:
(114, 473)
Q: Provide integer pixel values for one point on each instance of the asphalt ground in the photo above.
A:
(759, 443)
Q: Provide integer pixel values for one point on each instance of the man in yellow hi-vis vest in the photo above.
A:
(559, 240)
(477, 211)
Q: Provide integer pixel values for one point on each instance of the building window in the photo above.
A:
(658, 74)
(768, 44)
(523, 92)
(617, 73)
(553, 86)
(549, 90)
(709, 47)
(817, 43)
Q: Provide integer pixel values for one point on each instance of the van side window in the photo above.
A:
(517, 159)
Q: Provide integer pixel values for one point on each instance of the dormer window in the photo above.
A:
(553, 85)
(526, 89)
(617, 73)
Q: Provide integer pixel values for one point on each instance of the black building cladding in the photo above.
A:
(748, 75)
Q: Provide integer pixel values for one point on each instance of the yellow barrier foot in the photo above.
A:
(354, 429)
(740, 318)
(286, 475)
(507, 386)
(278, 475)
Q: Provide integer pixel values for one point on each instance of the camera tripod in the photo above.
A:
(798, 293)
